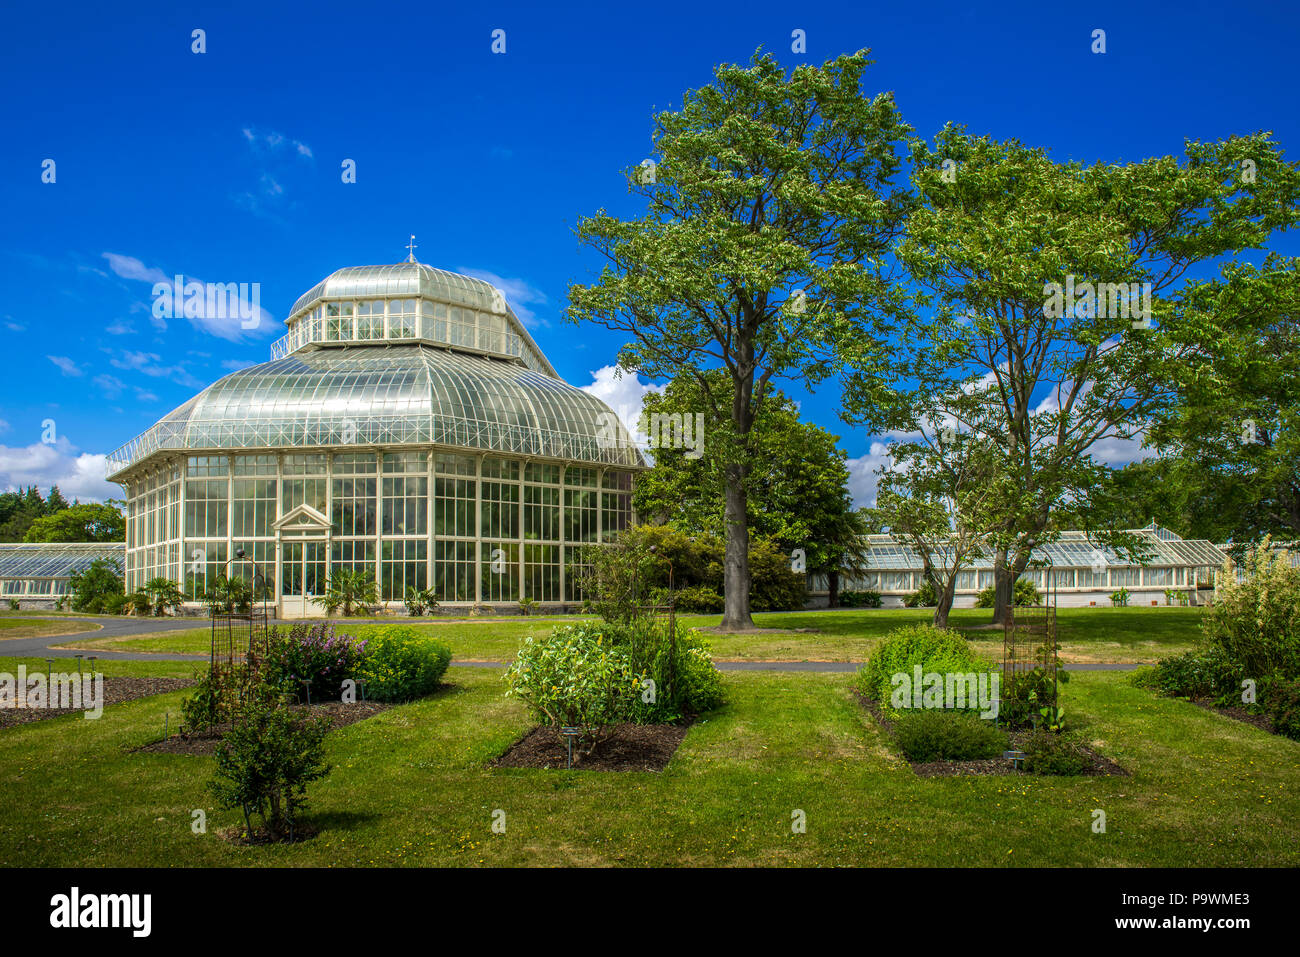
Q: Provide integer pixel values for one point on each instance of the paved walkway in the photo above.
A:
(40, 647)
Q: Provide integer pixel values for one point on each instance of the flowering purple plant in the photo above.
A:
(315, 657)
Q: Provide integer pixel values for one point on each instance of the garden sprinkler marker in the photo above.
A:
(569, 735)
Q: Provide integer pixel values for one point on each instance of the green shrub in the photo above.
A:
(13, 604)
(1201, 673)
(576, 677)
(700, 599)
(315, 654)
(934, 649)
(1047, 753)
(400, 663)
(1119, 598)
(931, 735)
(773, 586)
(1024, 593)
(1281, 701)
(923, 597)
(418, 601)
(1255, 623)
(97, 588)
(685, 680)
(1029, 696)
(264, 764)
(859, 599)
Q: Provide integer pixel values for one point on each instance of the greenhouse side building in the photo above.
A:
(407, 425)
(1081, 572)
(36, 575)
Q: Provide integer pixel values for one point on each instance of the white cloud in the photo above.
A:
(234, 365)
(519, 293)
(864, 474)
(622, 392)
(128, 267)
(149, 364)
(119, 327)
(77, 474)
(66, 365)
(218, 309)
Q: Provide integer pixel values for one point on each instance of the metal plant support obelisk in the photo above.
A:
(239, 633)
(1029, 643)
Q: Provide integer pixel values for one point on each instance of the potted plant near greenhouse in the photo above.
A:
(164, 593)
(350, 590)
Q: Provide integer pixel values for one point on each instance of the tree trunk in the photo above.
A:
(736, 582)
(1005, 576)
(1001, 588)
(943, 601)
(833, 588)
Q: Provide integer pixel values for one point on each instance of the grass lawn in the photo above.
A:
(1085, 634)
(14, 627)
(412, 787)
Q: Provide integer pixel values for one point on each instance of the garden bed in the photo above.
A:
(340, 715)
(1261, 721)
(1100, 764)
(629, 747)
(116, 691)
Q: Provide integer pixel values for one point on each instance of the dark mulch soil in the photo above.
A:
(116, 691)
(1261, 721)
(1101, 765)
(629, 747)
(205, 742)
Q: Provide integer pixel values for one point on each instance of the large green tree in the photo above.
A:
(1035, 276)
(91, 522)
(796, 479)
(769, 211)
(1230, 440)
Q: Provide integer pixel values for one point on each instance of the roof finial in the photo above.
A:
(410, 250)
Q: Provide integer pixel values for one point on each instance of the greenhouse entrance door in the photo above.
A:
(303, 561)
(302, 577)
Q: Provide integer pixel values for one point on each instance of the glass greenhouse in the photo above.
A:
(1084, 573)
(406, 425)
(41, 571)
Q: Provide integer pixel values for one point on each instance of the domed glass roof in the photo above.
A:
(353, 375)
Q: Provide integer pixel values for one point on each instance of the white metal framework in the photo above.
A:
(42, 570)
(1083, 569)
(408, 426)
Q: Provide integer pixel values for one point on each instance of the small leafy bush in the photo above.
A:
(685, 680)
(264, 764)
(860, 599)
(1255, 623)
(923, 597)
(97, 588)
(1052, 754)
(947, 736)
(698, 598)
(1024, 593)
(400, 663)
(418, 601)
(1119, 598)
(13, 604)
(576, 677)
(934, 649)
(1200, 673)
(1281, 701)
(316, 654)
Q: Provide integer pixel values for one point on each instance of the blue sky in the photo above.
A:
(225, 166)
